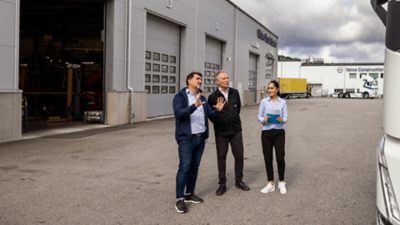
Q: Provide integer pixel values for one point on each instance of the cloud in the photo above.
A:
(339, 30)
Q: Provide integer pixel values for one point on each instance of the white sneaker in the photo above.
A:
(282, 187)
(270, 187)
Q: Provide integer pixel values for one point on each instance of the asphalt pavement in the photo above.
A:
(126, 175)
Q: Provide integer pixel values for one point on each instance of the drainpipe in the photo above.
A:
(128, 60)
(17, 18)
(235, 48)
(196, 27)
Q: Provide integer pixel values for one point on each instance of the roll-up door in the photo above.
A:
(212, 64)
(250, 94)
(316, 90)
(161, 65)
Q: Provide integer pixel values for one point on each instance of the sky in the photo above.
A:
(335, 30)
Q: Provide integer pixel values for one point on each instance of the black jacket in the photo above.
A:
(228, 120)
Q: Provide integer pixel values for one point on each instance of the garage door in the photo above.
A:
(316, 90)
(162, 65)
(250, 94)
(212, 64)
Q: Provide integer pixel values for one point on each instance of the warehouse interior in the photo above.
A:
(61, 61)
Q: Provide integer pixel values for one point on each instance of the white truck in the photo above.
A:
(368, 88)
(388, 152)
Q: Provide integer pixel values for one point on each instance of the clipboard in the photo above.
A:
(273, 118)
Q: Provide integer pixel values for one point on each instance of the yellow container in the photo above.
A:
(292, 85)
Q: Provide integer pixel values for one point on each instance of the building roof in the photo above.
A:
(342, 64)
(289, 60)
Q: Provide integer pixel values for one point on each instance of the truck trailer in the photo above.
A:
(293, 88)
(368, 88)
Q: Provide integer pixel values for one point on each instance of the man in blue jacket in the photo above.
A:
(191, 130)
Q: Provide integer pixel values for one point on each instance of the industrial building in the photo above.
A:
(121, 61)
(327, 79)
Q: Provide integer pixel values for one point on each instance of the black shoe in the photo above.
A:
(221, 190)
(242, 185)
(181, 206)
(193, 199)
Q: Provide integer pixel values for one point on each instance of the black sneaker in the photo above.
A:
(181, 206)
(193, 199)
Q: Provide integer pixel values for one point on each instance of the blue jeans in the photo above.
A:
(190, 153)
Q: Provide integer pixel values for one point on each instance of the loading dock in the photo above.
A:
(61, 59)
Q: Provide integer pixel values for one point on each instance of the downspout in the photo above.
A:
(128, 61)
(235, 48)
(196, 18)
(17, 28)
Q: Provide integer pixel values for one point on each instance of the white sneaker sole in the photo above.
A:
(179, 211)
(191, 201)
(267, 191)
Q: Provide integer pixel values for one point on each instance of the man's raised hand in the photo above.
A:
(220, 104)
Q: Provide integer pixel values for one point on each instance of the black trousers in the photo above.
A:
(222, 143)
(270, 139)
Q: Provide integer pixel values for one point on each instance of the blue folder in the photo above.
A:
(273, 118)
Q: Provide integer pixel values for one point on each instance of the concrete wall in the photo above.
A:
(10, 116)
(118, 95)
(118, 111)
(10, 96)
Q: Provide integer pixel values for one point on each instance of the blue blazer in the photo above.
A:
(182, 112)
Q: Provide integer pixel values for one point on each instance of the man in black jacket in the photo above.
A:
(228, 130)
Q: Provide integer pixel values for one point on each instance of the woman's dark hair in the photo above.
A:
(276, 84)
(191, 75)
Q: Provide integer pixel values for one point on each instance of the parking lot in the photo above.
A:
(126, 175)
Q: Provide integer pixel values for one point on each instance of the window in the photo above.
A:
(172, 80)
(374, 75)
(148, 55)
(161, 70)
(164, 79)
(381, 75)
(209, 70)
(156, 56)
(155, 89)
(148, 66)
(362, 74)
(172, 69)
(148, 78)
(352, 75)
(156, 67)
(269, 68)
(164, 68)
(172, 59)
(164, 57)
(156, 78)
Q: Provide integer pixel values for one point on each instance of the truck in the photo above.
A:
(293, 88)
(388, 151)
(367, 88)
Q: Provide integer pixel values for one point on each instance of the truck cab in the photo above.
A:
(388, 152)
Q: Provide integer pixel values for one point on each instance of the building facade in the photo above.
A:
(124, 60)
(332, 78)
